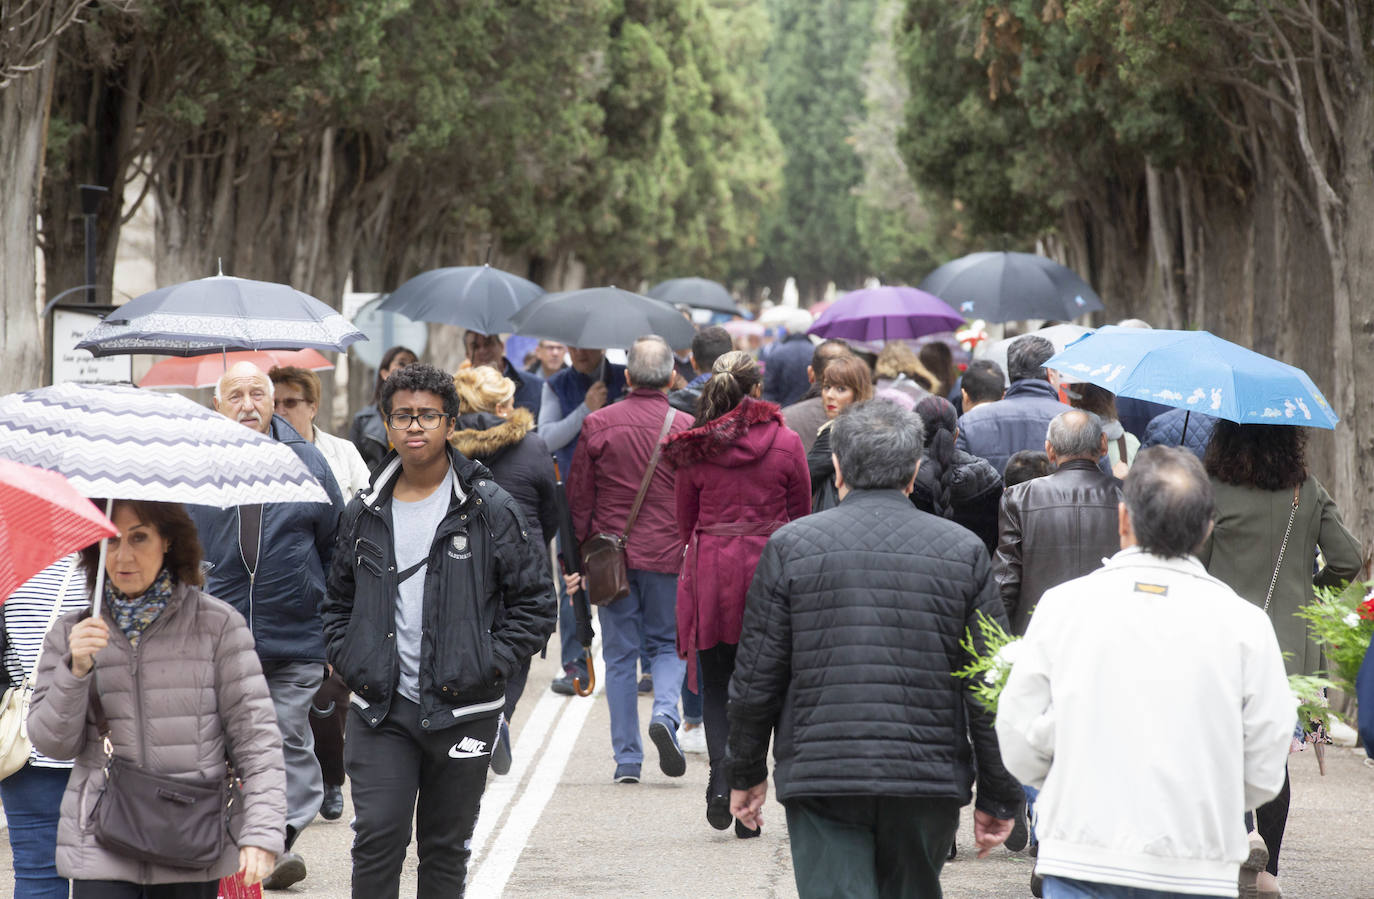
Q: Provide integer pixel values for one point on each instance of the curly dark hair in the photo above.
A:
(171, 523)
(420, 377)
(1266, 457)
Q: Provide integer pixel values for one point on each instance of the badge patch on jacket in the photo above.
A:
(1153, 589)
(458, 547)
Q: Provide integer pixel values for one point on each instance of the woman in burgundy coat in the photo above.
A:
(741, 474)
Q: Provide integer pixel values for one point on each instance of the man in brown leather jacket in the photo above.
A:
(1059, 527)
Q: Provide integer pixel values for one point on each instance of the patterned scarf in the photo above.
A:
(134, 614)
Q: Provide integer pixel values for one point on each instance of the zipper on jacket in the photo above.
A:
(252, 572)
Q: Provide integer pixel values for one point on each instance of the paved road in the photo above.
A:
(558, 825)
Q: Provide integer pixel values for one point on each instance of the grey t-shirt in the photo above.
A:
(412, 527)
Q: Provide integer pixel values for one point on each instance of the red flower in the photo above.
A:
(1366, 609)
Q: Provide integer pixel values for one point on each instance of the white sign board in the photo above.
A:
(71, 364)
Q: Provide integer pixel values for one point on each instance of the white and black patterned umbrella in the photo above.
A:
(220, 313)
(125, 443)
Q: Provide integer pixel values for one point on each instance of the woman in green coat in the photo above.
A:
(1259, 473)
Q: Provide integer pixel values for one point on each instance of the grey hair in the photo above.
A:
(271, 385)
(650, 362)
(1170, 501)
(877, 444)
(1026, 357)
(1076, 434)
(1134, 323)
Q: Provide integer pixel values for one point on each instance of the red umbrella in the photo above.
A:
(42, 518)
(192, 372)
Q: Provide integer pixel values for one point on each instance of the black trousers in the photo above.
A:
(870, 847)
(399, 771)
(1272, 822)
(328, 715)
(717, 665)
(123, 889)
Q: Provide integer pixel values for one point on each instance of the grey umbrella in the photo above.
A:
(1005, 287)
(602, 318)
(697, 292)
(220, 313)
(476, 297)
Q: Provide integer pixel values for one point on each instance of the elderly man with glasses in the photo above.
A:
(440, 595)
(269, 562)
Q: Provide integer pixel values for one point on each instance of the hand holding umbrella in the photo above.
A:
(571, 560)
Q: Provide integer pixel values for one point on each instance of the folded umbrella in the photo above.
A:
(195, 372)
(476, 297)
(700, 293)
(886, 313)
(602, 318)
(42, 518)
(1198, 371)
(220, 313)
(1004, 287)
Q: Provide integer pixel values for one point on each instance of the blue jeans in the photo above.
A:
(32, 797)
(1064, 888)
(1031, 794)
(691, 702)
(648, 618)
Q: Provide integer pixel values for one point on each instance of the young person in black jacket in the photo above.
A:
(438, 594)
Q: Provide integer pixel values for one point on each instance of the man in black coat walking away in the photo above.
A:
(851, 634)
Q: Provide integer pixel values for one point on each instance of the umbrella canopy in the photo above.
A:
(220, 313)
(42, 518)
(886, 313)
(1058, 335)
(1196, 370)
(120, 442)
(476, 297)
(696, 292)
(602, 318)
(1004, 287)
(195, 372)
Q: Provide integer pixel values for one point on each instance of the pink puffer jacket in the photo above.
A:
(199, 686)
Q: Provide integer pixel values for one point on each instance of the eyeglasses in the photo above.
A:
(428, 419)
(290, 402)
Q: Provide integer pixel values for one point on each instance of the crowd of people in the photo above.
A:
(812, 537)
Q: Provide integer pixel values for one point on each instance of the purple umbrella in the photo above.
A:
(886, 313)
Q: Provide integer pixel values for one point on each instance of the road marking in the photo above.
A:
(509, 842)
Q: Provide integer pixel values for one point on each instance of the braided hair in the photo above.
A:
(733, 376)
(937, 414)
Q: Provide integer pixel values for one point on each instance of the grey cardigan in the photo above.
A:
(198, 684)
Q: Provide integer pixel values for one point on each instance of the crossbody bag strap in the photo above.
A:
(1121, 449)
(1273, 581)
(52, 617)
(649, 473)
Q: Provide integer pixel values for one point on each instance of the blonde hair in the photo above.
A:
(898, 359)
(482, 389)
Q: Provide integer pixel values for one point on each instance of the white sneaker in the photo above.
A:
(693, 740)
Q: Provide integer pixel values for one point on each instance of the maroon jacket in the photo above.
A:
(612, 453)
(739, 478)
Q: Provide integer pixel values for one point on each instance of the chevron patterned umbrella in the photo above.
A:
(124, 443)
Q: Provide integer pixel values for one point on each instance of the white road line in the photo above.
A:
(510, 841)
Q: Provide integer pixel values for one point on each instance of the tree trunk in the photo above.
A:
(23, 122)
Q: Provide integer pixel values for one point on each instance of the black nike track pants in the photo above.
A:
(390, 767)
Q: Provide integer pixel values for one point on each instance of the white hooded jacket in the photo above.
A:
(1149, 704)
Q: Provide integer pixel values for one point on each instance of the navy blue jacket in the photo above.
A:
(1167, 430)
(784, 373)
(1016, 422)
(529, 388)
(282, 603)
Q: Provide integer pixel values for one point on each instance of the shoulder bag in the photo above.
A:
(15, 747)
(604, 566)
(177, 822)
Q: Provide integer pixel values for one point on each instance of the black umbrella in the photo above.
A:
(696, 292)
(1005, 287)
(476, 297)
(602, 318)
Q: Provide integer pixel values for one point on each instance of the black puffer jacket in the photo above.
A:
(1051, 530)
(518, 459)
(488, 602)
(975, 490)
(851, 632)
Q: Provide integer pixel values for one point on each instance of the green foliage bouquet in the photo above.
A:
(1341, 621)
(991, 654)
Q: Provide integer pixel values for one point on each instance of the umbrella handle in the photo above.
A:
(591, 676)
(100, 567)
